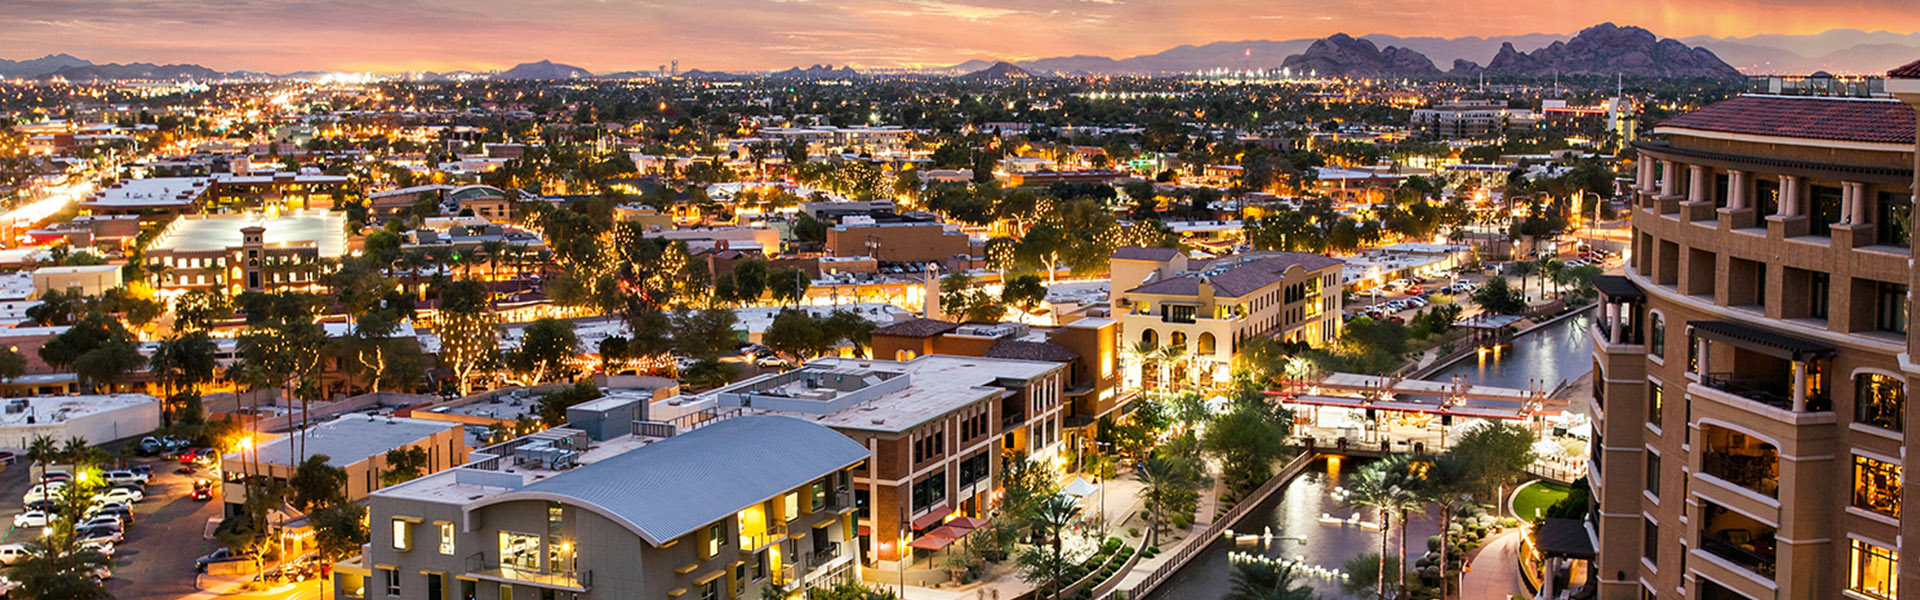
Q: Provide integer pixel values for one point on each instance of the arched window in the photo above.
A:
(1150, 339)
(1879, 400)
(1206, 343)
(1178, 340)
(1657, 338)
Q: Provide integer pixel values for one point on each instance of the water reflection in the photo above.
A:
(1561, 352)
(1294, 517)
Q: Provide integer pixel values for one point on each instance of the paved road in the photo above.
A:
(1496, 574)
(156, 559)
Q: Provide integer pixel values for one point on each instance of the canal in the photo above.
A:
(1547, 357)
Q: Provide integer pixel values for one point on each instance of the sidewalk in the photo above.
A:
(1496, 570)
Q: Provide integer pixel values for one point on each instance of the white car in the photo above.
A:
(106, 520)
(42, 491)
(105, 548)
(128, 495)
(12, 553)
(125, 477)
(32, 518)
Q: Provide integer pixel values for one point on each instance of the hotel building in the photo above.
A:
(1205, 308)
(1751, 364)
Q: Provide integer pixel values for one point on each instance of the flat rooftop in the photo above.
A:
(351, 438)
(59, 409)
(220, 232)
(157, 191)
(937, 384)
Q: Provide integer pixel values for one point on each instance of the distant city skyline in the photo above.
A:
(614, 35)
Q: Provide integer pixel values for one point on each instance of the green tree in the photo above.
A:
(552, 406)
(404, 464)
(339, 530)
(547, 347)
(704, 334)
(1026, 292)
(316, 484)
(468, 331)
(1381, 486)
(1167, 484)
(199, 310)
(1047, 565)
(55, 567)
(182, 362)
(1366, 576)
(1497, 296)
(1499, 453)
(788, 285)
(798, 336)
(1259, 579)
(709, 373)
(12, 364)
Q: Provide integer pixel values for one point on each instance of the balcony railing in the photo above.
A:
(1753, 389)
(774, 532)
(1011, 421)
(478, 566)
(1760, 563)
(1757, 473)
(821, 557)
(840, 500)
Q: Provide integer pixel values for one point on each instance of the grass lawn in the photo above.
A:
(1539, 495)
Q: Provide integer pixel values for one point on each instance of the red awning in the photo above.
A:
(967, 523)
(865, 531)
(931, 542)
(949, 532)
(931, 518)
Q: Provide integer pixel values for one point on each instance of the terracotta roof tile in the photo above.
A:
(1143, 253)
(917, 328)
(1246, 276)
(1910, 71)
(1022, 350)
(1838, 119)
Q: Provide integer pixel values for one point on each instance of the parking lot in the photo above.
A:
(156, 558)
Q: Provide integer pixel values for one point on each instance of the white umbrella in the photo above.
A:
(1079, 488)
(1549, 449)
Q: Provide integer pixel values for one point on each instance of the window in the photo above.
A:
(1893, 220)
(446, 539)
(792, 504)
(710, 590)
(716, 538)
(760, 565)
(1824, 210)
(1819, 293)
(1876, 486)
(1656, 398)
(1879, 400)
(819, 495)
(1693, 353)
(402, 535)
(930, 491)
(1653, 474)
(506, 592)
(1766, 197)
(1873, 571)
(1890, 310)
(1177, 313)
(391, 577)
(1657, 342)
(1650, 542)
(520, 551)
(739, 579)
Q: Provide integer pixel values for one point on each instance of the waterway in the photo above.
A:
(1294, 513)
(1545, 357)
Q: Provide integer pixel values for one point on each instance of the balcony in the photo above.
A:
(1737, 538)
(1766, 391)
(1771, 368)
(479, 567)
(760, 540)
(1747, 556)
(1011, 421)
(1758, 473)
(824, 556)
(840, 501)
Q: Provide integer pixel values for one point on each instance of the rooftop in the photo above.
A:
(1865, 120)
(1237, 276)
(917, 328)
(157, 191)
(1143, 253)
(220, 232)
(59, 409)
(661, 490)
(350, 439)
(1908, 71)
(881, 395)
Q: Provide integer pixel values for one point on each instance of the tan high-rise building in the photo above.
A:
(1751, 363)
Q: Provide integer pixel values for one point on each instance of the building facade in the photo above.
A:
(1203, 311)
(1751, 364)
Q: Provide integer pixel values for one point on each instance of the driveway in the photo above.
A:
(156, 559)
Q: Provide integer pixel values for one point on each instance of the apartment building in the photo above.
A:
(1751, 364)
(1204, 309)
(357, 444)
(936, 428)
(612, 508)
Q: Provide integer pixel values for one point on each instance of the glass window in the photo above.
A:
(1819, 293)
(1657, 341)
(1890, 312)
(792, 502)
(1653, 474)
(1894, 220)
(710, 590)
(1766, 197)
(1873, 571)
(819, 495)
(402, 535)
(520, 551)
(1824, 211)
(1656, 399)
(506, 592)
(1876, 486)
(391, 577)
(716, 538)
(1650, 542)
(1879, 400)
(446, 539)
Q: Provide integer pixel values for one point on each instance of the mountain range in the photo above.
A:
(1841, 51)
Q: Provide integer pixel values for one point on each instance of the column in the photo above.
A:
(1799, 386)
(1697, 184)
(1788, 197)
(1846, 203)
(1738, 181)
(1670, 177)
(1614, 323)
(1645, 181)
(1859, 190)
(1701, 368)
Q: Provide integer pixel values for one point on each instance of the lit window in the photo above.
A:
(1873, 571)
(446, 539)
(402, 535)
(1876, 486)
(1879, 400)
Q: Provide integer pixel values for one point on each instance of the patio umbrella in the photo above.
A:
(1549, 449)
(967, 523)
(1079, 488)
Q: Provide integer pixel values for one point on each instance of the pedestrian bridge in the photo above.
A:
(1354, 390)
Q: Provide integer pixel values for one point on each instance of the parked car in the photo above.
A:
(191, 454)
(202, 491)
(1416, 290)
(103, 521)
(56, 475)
(120, 494)
(1417, 302)
(32, 518)
(105, 548)
(99, 533)
(42, 491)
(771, 362)
(151, 445)
(118, 512)
(12, 553)
(218, 555)
(142, 470)
(124, 477)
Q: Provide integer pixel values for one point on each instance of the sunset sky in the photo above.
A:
(612, 35)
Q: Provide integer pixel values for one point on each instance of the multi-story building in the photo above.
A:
(1205, 309)
(614, 506)
(901, 240)
(240, 253)
(1470, 118)
(1751, 364)
(936, 427)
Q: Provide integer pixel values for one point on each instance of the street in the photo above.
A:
(156, 559)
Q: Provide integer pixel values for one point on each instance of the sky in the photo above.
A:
(613, 35)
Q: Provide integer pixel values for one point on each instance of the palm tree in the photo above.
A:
(1141, 352)
(1300, 369)
(1523, 269)
(55, 568)
(1551, 269)
(1050, 518)
(42, 450)
(1261, 579)
(1168, 356)
(1163, 479)
(1448, 482)
(1379, 486)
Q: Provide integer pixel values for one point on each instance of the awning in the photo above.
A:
(949, 532)
(929, 519)
(1079, 488)
(1761, 340)
(865, 531)
(931, 542)
(967, 523)
(1566, 538)
(1617, 287)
